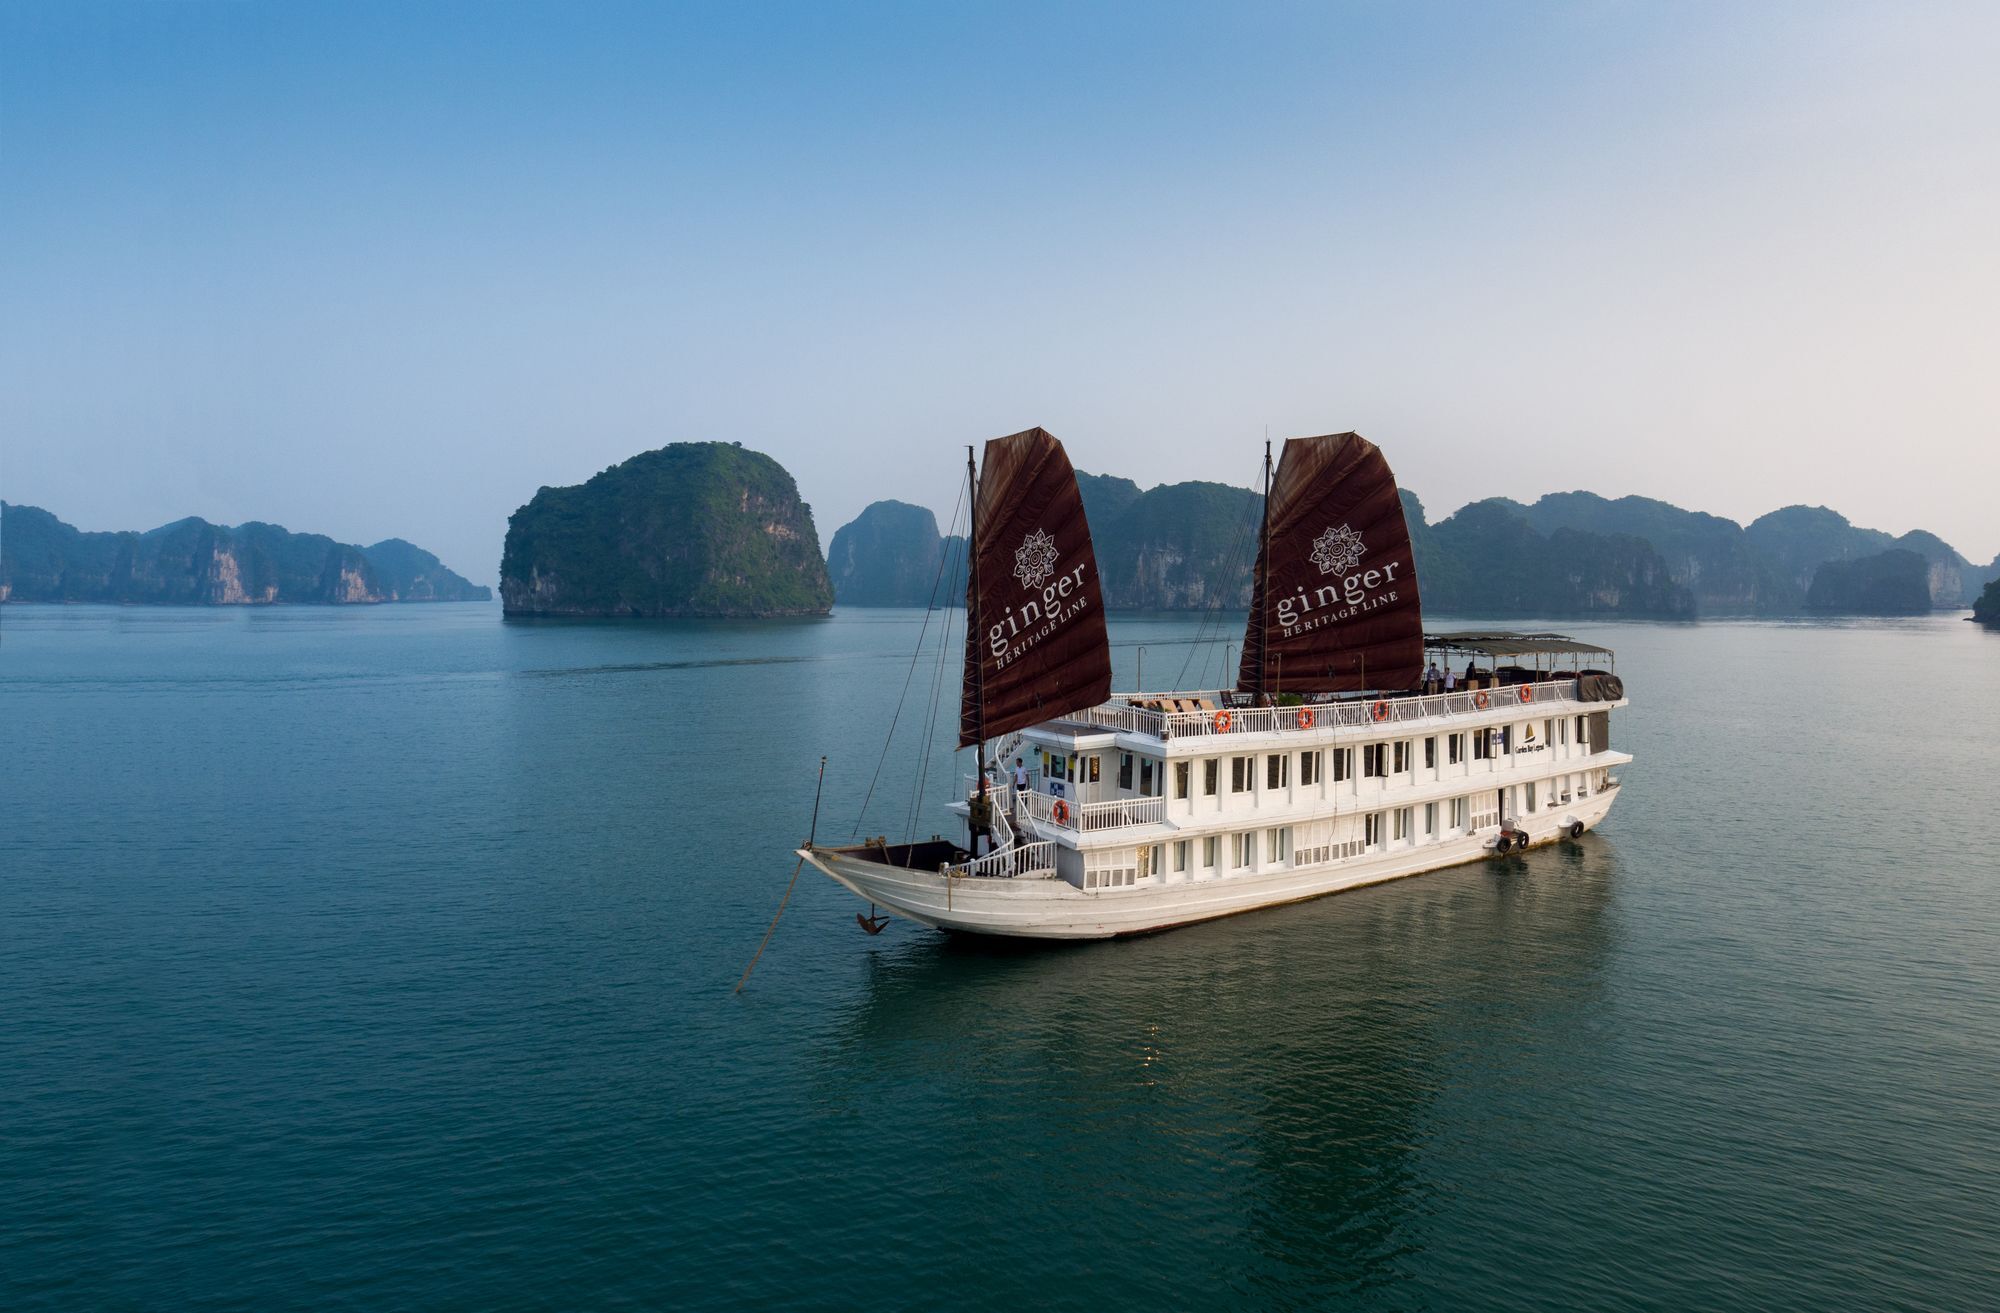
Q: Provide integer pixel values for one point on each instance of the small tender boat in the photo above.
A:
(1344, 756)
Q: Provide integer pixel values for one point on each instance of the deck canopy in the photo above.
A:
(1491, 644)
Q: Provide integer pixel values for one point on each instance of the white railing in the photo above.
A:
(1112, 814)
(1029, 860)
(1362, 712)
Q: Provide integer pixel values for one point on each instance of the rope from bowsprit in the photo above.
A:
(811, 834)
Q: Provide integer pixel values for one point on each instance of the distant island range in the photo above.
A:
(1572, 554)
(711, 529)
(193, 562)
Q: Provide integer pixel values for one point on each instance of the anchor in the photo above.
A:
(871, 923)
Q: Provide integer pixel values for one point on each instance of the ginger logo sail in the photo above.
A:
(1337, 550)
(1036, 559)
(1035, 641)
(1334, 608)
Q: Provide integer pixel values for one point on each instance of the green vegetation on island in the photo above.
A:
(192, 562)
(1895, 582)
(1987, 609)
(692, 529)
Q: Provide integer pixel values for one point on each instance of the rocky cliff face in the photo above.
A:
(889, 555)
(693, 529)
(1895, 582)
(1178, 547)
(194, 563)
(1953, 580)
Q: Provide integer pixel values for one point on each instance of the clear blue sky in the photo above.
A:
(380, 270)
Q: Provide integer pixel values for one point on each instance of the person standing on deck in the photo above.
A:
(1020, 785)
(1431, 678)
(1469, 668)
(1450, 679)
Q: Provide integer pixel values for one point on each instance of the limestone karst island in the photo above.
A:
(695, 529)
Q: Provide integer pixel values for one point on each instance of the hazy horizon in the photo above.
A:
(374, 271)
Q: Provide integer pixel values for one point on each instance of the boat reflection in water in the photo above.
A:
(1264, 1089)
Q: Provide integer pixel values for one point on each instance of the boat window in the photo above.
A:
(1431, 753)
(1430, 820)
(1183, 770)
(1402, 755)
(1181, 855)
(1343, 764)
(1454, 748)
(1278, 844)
(1245, 849)
(1208, 852)
(1375, 760)
(1094, 764)
(1146, 776)
(1309, 769)
(1278, 770)
(1124, 770)
(1482, 744)
(1371, 830)
(1242, 774)
(1209, 769)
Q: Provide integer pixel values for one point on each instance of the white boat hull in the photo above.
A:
(1052, 908)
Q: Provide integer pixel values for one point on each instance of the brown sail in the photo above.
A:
(1034, 645)
(1334, 608)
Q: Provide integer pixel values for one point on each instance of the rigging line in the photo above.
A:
(890, 737)
(789, 886)
(927, 743)
(1213, 609)
(929, 753)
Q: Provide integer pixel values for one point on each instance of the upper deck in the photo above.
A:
(1164, 719)
(1481, 693)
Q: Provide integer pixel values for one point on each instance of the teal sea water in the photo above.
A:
(383, 958)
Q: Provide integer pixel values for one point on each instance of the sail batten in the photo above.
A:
(1035, 643)
(1334, 607)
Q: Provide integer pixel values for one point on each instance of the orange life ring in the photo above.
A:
(1060, 812)
(1222, 722)
(1481, 701)
(1526, 693)
(1380, 712)
(1305, 717)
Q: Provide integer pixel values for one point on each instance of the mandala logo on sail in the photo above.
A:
(1337, 550)
(1035, 559)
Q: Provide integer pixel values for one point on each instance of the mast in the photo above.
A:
(972, 614)
(1264, 578)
